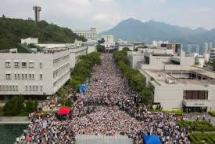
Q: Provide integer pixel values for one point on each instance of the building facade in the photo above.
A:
(189, 90)
(33, 73)
(88, 34)
(177, 82)
(212, 54)
(109, 41)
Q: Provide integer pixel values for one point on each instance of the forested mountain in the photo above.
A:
(12, 30)
(133, 29)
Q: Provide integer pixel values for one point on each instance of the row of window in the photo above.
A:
(22, 77)
(9, 64)
(33, 88)
(60, 59)
(60, 70)
(15, 88)
(195, 95)
(9, 88)
(62, 78)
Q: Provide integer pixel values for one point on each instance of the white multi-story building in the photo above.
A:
(88, 34)
(40, 73)
(190, 90)
(29, 41)
(161, 58)
(109, 41)
(212, 53)
(177, 82)
(34, 73)
(158, 43)
(120, 44)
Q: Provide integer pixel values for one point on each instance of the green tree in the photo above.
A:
(136, 80)
(100, 48)
(213, 64)
(14, 106)
(101, 41)
(30, 106)
(12, 30)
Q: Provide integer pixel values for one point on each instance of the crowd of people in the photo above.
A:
(108, 108)
(116, 111)
(47, 128)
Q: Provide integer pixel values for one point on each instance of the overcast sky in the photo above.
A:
(104, 14)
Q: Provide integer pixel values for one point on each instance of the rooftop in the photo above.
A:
(174, 77)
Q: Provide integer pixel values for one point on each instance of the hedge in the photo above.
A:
(202, 138)
(136, 80)
(212, 113)
(196, 125)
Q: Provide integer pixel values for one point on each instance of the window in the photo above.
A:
(24, 64)
(36, 88)
(16, 64)
(7, 64)
(31, 64)
(8, 76)
(41, 88)
(18, 76)
(32, 76)
(41, 65)
(14, 88)
(15, 76)
(10, 88)
(195, 95)
(41, 77)
(23, 76)
(26, 88)
(26, 76)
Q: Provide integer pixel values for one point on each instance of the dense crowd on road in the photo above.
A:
(116, 111)
(108, 108)
(47, 129)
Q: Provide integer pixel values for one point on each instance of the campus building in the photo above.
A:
(170, 57)
(177, 82)
(88, 34)
(109, 41)
(190, 90)
(41, 72)
(34, 73)
(212, 54)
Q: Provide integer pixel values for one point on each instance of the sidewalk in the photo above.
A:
(14, 120)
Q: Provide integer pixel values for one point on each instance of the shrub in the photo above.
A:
(212, 113)
(202, 138)
(196, 125)
(18, 106)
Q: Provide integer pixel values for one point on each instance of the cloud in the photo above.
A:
(105, 0)
(82, 14)
(205, 9)
(106, 18)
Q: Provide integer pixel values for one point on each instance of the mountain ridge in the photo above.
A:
(135, 30)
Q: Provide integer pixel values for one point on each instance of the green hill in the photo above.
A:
(12, 30)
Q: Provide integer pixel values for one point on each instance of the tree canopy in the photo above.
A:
(12, 30)
(136, 80)
(18, 106)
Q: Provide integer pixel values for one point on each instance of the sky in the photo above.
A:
(105, 14)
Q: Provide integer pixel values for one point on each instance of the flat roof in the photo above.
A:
(162, 77)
